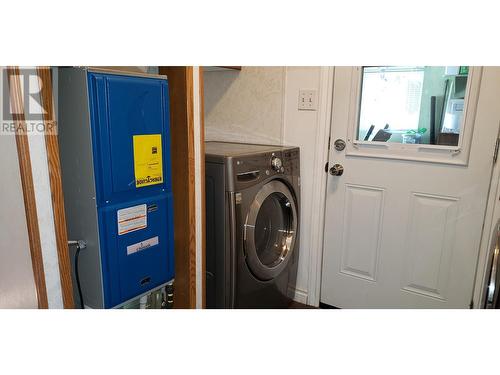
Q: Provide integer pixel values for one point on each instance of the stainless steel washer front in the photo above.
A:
(270, 230)
(252, 224)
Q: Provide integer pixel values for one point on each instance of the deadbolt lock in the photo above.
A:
(337, 170)
(339, 144)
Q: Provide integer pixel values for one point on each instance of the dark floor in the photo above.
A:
(297, 305)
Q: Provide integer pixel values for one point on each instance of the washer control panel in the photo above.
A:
(251, 169)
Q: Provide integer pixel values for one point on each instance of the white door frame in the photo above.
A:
(317, 218)
(491, 216)
(318, 210)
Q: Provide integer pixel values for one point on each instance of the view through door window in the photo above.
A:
(412, 104)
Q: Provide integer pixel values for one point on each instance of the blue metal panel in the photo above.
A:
(121, 107)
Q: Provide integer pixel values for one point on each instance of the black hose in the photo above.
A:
(369, 132)
(432, 125)
(77, 275)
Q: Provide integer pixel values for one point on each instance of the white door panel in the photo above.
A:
(362, 209)
(405, 233)
(430, 243)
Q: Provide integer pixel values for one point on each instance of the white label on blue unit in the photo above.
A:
(132, 218)
(143, 245)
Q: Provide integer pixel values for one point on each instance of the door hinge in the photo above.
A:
(495, 153)
(329, 139)
(326, 167)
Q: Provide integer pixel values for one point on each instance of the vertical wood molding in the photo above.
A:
(23, 152)
(54, 165)
(191, 187)
(202, 178)
(180, 82)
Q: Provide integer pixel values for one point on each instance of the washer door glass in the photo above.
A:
(273, 230)
(270, 230)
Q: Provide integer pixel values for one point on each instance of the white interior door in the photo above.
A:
(403, 222)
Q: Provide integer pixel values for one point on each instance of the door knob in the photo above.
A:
(339, 144)
(336, 170)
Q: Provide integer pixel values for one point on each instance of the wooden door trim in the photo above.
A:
(180, 82)
(192, 194)
(202, 181)
(54, 166)
(25, 170)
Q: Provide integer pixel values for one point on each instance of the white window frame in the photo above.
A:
(457, 155)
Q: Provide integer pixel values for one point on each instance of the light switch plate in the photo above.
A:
(308, 100)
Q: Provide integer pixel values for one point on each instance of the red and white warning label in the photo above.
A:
(132, 218)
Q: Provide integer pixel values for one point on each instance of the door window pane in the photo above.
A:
(412, 104)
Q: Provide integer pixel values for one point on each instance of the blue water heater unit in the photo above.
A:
(115, 155)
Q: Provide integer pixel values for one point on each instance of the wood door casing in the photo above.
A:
(27, 186)
(56, 188)
(180, 82)
(202, 177)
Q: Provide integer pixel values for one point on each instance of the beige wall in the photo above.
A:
(17, 285)
(246, 105)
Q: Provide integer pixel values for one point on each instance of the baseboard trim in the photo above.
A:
(297, 295)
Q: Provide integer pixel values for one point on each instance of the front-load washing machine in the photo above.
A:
(252, 224)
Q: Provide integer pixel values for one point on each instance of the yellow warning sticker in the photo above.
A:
(148, 167)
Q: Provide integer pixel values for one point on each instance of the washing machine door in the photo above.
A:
(270, 230)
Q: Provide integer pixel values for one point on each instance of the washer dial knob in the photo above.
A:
(277, 164)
